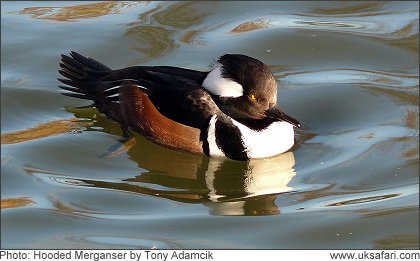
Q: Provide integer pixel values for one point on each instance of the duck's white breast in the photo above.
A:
(275, 139)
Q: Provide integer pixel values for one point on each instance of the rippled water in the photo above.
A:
(347, 70)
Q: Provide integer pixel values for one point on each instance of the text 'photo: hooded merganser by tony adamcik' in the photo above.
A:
(230, 111)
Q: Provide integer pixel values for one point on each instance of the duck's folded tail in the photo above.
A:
(86, 78)
(82, 75)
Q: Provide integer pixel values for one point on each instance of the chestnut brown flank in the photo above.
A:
(139, 113)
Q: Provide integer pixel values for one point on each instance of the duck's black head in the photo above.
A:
(245, 89)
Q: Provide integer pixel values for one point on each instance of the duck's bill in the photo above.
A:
(277, 114)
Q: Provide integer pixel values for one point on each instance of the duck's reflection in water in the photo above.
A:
(247, 188)
(226, 187)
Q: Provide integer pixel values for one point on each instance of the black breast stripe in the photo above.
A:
(229, 139)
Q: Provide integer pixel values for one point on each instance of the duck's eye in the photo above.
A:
(252, 96)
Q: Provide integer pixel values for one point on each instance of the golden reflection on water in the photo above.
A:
(16, 202)
(352, 8)
(251, 26)
(182, 15)
(153, 41)
(43, 130)
(155, 34)
(192, 37)
(76, 12)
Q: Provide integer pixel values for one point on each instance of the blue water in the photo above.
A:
(347, 70)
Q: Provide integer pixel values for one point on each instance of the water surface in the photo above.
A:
(347, 70)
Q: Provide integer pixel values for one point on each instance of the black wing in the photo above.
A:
(175, 92)
(177, 98)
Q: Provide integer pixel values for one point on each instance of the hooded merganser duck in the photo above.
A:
(229, 111)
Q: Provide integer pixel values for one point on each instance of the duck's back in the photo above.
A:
(163, 103)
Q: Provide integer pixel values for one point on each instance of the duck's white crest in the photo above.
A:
(216, 84)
